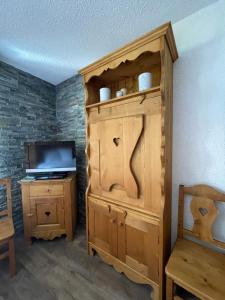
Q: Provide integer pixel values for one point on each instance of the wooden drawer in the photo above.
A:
(46, 190)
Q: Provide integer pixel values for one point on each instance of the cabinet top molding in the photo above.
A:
(164, 30)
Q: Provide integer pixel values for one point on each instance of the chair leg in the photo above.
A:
(169, 289)
(12, 258)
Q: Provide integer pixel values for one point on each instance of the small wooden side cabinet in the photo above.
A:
(49, 208)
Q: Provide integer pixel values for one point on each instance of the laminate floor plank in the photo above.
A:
(61, 270)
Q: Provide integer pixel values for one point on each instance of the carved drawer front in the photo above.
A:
(46, 190)
(47, 211)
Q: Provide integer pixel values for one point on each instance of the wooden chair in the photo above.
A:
(196, 268)
(7, 229)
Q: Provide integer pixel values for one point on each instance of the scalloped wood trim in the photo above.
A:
(48, 235)
(122, 268)
(152, 47)
(203, 190)
(126, 270)
(163, 30)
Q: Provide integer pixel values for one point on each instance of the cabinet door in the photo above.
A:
(47, 214)
(125, 140)
(138, 244)
(102, 226)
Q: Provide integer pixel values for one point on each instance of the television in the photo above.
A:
(50, 157)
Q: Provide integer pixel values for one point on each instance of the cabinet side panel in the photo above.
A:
(167, 91)
(26, 211)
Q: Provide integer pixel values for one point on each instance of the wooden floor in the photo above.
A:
(50, 270)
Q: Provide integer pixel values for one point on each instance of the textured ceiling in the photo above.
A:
(53, 39)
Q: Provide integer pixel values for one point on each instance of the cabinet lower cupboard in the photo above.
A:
(129, 151)
(130, 237)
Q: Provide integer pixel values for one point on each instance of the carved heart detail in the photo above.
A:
(116, 141)
(203, 211)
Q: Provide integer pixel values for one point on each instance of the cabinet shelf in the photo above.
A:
(136, 94)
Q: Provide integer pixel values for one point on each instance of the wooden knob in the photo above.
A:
(30, 215)
(121, 224)
(113, 220)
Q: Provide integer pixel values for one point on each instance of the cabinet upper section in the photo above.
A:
(121, 68)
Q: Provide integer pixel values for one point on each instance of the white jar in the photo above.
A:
(119, 93)
(105, 94)
(144, 81)
(124, 91)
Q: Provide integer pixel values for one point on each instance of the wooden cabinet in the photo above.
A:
(129, 150)
(103, 226)
(49, 208)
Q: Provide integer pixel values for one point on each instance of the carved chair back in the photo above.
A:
(8, 211)
(203, 210)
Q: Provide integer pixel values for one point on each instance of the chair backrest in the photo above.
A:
(204, 212)
(8, 211)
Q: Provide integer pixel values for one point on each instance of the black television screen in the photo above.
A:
(50, 156)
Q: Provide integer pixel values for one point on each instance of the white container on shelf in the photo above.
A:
(124, 91)
(105, 94)
(119, 93)
(144, 81)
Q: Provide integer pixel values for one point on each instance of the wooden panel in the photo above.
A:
(204, 274)
(111, 155)
(46, 190)
(47, 212)
(138, 244)
(6, 229)
(141, 175)
(70, 207)
(204, 212)
(118, 140)
(102, 226)
(136, 265)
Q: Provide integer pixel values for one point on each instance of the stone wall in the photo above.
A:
(32, 110)
(27, 113)
(71, 126)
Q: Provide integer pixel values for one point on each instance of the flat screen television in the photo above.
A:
(50, 157)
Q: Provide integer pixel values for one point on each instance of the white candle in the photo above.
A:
(144, 81)
(105, 94)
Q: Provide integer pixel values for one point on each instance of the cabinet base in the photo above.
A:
(48, 235)
(126, 270)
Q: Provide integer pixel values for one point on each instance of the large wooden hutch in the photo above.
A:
(129, 150)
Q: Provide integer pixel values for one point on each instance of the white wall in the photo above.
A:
(199, 106)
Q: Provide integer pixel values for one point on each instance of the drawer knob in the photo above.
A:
(121, 224)
(113, 220)
(47, 213)
(30, 215)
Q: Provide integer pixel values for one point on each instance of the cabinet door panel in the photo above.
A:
(47, 213)
(102, 226)
(138, 244)
(129, 169)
